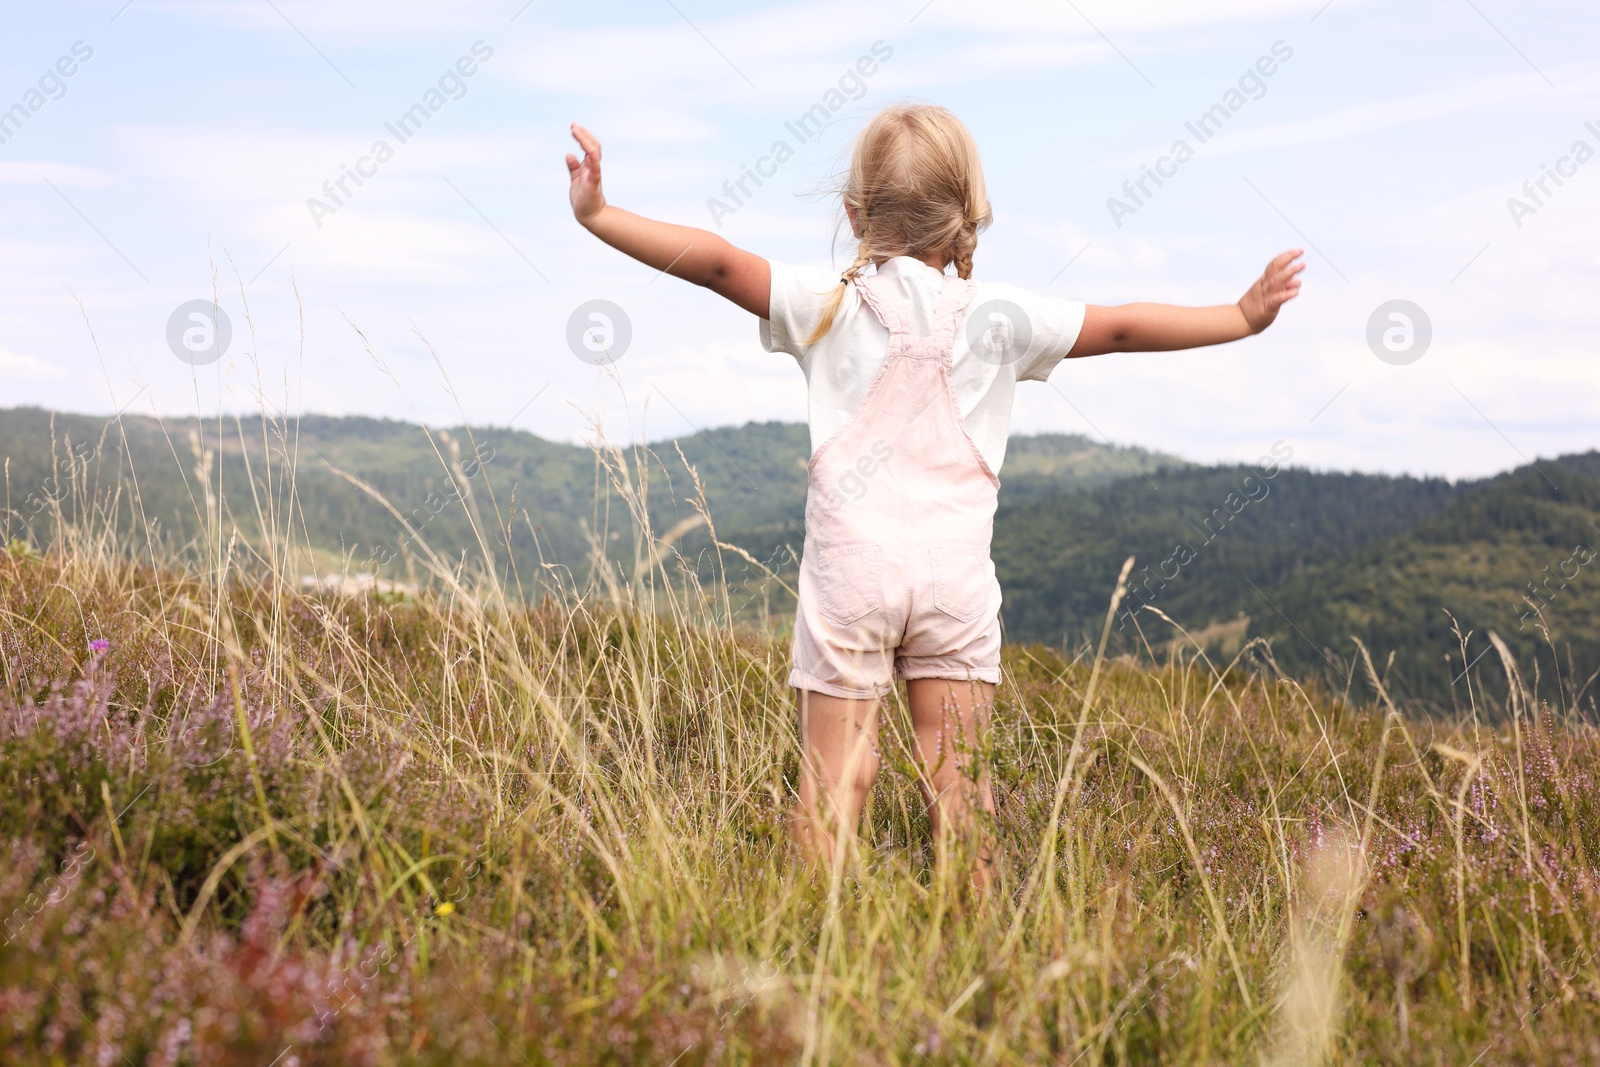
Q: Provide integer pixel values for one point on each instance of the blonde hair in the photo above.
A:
(916, 188)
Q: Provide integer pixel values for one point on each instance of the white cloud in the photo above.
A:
(794, 53)
(349, 21)
(1150, 16)
(802, 23)
(1509, 92)
(21, 365)
(27, 172)
(230, 165)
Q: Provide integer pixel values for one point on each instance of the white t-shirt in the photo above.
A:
(841, 366)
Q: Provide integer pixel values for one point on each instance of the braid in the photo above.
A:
(966, 243)
(831, 309)
(977, 216)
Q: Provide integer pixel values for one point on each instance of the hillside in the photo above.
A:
(1305, 559)
(1517, 556)
(1310, 560)
(1054, 553)
(754, 478)
(246, 825)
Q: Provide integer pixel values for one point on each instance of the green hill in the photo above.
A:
(539, 499)
(1516, 555)
(1309, 560)
(1056, 554)
(1305, 559)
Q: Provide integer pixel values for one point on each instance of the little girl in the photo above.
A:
(910, 373)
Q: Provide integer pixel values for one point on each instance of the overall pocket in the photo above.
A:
(963, 580)
(847, 580)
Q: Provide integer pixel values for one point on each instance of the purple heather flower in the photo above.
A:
(99, 645)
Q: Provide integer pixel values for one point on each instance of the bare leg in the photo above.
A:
(838, 761)
(950, 718)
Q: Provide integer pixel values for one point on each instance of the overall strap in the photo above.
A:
(954, 296)
(889, 308)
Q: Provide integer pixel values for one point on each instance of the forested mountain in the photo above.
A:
(1305, 559)
(1310, 560)
(1515, 554)
(368, 494)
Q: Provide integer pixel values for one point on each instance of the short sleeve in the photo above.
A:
(798, 296)
(1055, 323)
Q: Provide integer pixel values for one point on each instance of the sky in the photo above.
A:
(1437, 152)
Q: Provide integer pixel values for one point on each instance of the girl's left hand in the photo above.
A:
(1277, 286)
(587, 199)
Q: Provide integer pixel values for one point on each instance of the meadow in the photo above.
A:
(523, 816)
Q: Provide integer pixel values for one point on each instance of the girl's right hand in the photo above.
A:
(587, 199)
(697, 256)
(1276, 287)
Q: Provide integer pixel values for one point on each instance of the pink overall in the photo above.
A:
(896, 577)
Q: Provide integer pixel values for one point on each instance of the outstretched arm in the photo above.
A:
(1165, 327)
(699, 256)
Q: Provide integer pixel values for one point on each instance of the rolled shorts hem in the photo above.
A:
(954, 674)
(799, 679)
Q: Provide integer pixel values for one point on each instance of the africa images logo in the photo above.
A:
(599, 332)
(808, 125)
(1251, 85)
(452, 85)
(999, 332)
(52, 85)
(1399, 332)
(1565, 167)
(199, 332)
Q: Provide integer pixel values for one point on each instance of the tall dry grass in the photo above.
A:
(541, 818)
